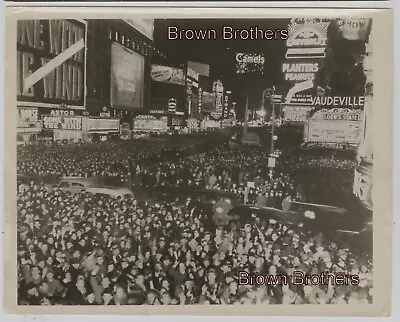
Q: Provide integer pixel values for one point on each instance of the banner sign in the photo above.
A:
(339, 101)
(51, 62)
(296, 114)
(167, 74)
(355, 28)
(247, 63)
(335, 126)
(127, 77)
(307, 39)
(144, 26)
(73, 123)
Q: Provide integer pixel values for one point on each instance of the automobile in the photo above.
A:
(75, 184)
(315, 217)
(110, 191)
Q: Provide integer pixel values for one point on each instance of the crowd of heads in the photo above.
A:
(81, 249)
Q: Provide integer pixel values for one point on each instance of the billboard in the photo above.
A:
(167, 74)
(144, 26)
(51, 63)
(127, 77)
(73, 123)
(334, 126)
(249, 63)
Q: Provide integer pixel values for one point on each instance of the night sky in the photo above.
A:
(220, 53)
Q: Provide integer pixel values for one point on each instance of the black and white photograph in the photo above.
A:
(202, 161)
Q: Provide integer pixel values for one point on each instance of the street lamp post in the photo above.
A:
(270, 93)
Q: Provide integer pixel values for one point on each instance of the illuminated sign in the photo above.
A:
(307, 39)
(150, 123)
(345, 101)
(41, 46)
(167, 74)
(249, 63)
(296, 114)
(296, 72)
(62, 122)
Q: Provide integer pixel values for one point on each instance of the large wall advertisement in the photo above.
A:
(51, 63)
(127, 77)
(338, 125)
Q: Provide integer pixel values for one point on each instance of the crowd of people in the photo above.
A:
(81, 249)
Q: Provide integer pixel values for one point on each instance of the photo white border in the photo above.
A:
(383, 157)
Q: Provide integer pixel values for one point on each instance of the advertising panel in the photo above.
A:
(248, 63)
(144, 26)
(127, 77)
(51, 63)
(71, 123)
(334, 126)
(148, 123)
(167, 74)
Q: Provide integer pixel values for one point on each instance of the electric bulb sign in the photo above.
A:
(41, 45)
(249, 63)
(299, 71)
